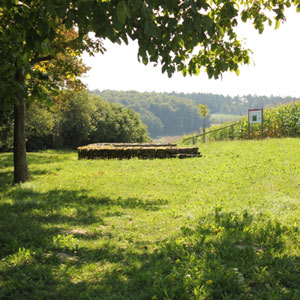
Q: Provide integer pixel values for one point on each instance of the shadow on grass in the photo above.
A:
(7, 177)
(6, 180)
(43, 157)
(6, 161)
(28, 217)
(226, 256)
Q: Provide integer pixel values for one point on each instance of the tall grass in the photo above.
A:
(224, 226)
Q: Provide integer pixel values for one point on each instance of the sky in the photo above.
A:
(274, 68)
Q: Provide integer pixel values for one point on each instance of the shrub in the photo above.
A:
(39, 127)
(6, 130)
(75, 124)
(115, 123)
(73, 120)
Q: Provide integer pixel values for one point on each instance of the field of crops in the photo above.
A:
(282, 121)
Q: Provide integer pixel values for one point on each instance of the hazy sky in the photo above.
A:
(274, 68)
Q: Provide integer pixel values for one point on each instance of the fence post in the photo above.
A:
(248, 127)
(194, 138)
(262, 123)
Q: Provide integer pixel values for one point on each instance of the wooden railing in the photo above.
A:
(195, 137)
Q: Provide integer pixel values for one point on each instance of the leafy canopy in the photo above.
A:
(37, 47)
(182, 35)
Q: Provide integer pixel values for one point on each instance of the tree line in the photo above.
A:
(237, 105)
(74, 119)
(168, 114)
(164, 115)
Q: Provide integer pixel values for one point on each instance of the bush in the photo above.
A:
(6, 130)
(73, 120)
(115, 123)
(39, 127)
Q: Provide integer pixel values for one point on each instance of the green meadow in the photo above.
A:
(223, 226)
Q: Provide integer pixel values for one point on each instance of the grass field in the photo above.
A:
(224, 226)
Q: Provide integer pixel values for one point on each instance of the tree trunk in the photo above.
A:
(20, 161)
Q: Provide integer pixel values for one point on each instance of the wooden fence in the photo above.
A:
(195, 137)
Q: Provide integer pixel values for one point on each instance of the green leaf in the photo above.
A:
(184, 72)
(50, 7)
(220, 30)
(125, 39)
(25, 57)
(210, 72)
(145, 60)
(213, 47)
(69, 20)
(109, 32)
(121, 12)
(43, 28)
(147, 29)
(61, 12)
(244, 16)
(136, 5)
(151, 29)
(151, 49)
(127, 10)
(164, 68)
(51, 34)
(277, 24)
(45, 48)
(197, 24)
(209, 25)
(197, 71)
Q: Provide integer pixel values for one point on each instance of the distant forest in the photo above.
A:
(167, 114)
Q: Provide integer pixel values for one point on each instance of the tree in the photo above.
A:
(115, 123)
(35, 63)
(181, 35)
(75, 122)
(75, 118)
(203, 111)
(39, 127)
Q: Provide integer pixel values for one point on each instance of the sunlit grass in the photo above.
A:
(224, 226)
